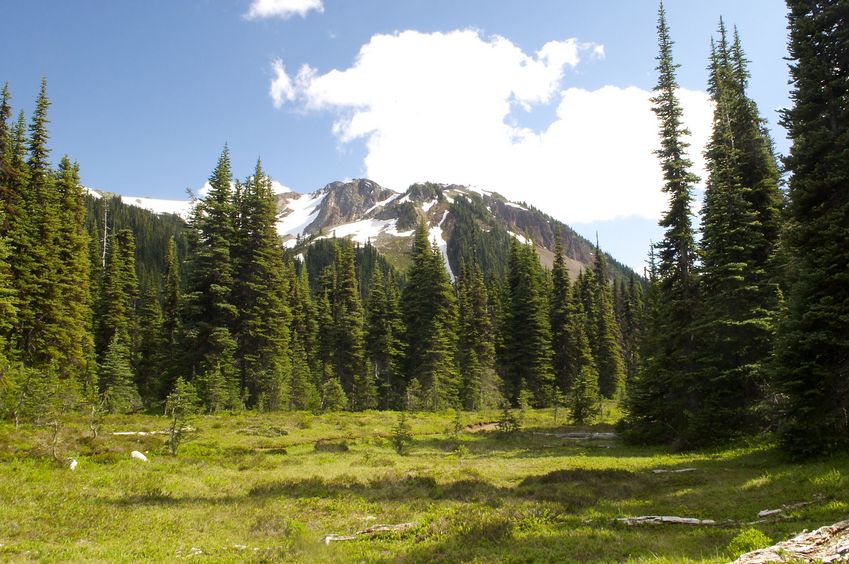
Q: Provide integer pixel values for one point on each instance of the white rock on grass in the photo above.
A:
(138, 456)
(72, 464)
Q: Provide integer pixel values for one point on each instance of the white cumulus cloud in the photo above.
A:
(444, 107)
(283, 9)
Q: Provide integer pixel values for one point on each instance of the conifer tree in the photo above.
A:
(74, 322)
(429, 308)
(660, 413)
(349, 332)
(812, 370)
(209, 312)
(528, 335)
(37, 276)
(611, 373)
(384, 345)
(632, 327)
(564, 357)
(261, 295)
(151, 347)
(172, 322)
(476, 350)
(739, 299)
(116, 378)
(117, 309)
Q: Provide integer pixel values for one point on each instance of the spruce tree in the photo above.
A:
(528, 335)
(151, 347)
(74, 322)
(476, 349)
(611, 372)
(209, 312)
(739, 299)
(116, 379)
(429, 308)
(812, 370)
(172, 322)
(564, 357)
(663, 398)
(261, 295)
(384, 345)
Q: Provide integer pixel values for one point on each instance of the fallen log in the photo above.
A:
(671, 470)
(664, 519)
(783, 508)
(370, 532)
(828, 544)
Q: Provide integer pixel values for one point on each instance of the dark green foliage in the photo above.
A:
(608, 353)
(384, 340)
(349, 333)
(209, 312)
(739, 299)
(117, 308)
(151, 347)
(584, 400)
(116, 379)
(476, 348)
(429, 308)
(660, 396)
(631, 326)
(563, 357)
(261, 297)
(527, 331)
(475, 238)
(812, 352)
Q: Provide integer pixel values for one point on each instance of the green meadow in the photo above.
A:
(270, 487)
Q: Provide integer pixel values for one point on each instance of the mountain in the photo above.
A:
(464, 221)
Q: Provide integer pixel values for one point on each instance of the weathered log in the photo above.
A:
(672, 470)
(370, 532)
(664, 519)
(784, 507)
(599, 436)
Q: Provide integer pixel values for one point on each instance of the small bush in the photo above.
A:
(747, 540)
(401, 435)
(324, 445)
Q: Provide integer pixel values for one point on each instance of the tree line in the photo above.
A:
(747, 329)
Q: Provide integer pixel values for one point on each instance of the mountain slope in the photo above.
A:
(464, 221)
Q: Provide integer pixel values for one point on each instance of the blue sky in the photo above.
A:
(543, 101)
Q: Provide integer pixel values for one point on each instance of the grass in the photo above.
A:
(258, 487)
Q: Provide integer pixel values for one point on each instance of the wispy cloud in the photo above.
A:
(444, 107)
(283, 9)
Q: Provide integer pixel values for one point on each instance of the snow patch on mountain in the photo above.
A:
(521, 238)
(515, 205)
(367, 229)
(435, 233)
(181, 208)
(427, 205)
(382, 203)
(301, 212)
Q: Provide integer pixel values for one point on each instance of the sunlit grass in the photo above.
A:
(252, 486)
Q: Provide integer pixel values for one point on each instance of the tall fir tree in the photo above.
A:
(74, 323)
(152, 352)
(262, 297)
(611, 372)
(172, 321)
(209, 313)
(528, 334)
(812, 352)
(349, 332)
(739, 299)
(564, 357)
(384, 340)
(117, 308)
(662, 398)
(479, 385)
(429, 308)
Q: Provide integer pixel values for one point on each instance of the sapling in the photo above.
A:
(181, 403)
